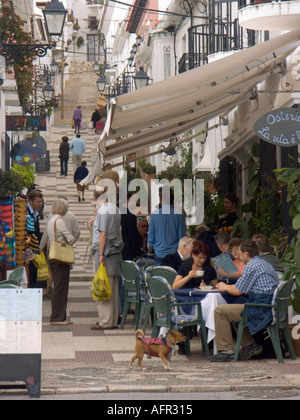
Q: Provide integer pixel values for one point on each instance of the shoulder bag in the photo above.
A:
(61, 252)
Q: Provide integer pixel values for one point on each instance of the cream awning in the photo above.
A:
(166, 109)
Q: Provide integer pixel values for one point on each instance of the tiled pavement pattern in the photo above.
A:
(77, 358)
(81, 89)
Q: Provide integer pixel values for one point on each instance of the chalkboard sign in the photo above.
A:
(280, 127)
(43, 164)
(25, 123)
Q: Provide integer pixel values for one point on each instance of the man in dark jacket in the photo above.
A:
(64, 155)
(184, 252)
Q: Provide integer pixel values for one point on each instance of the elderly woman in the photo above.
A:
(198, 271)
(60, 272)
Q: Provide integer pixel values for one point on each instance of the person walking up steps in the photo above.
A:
(64, 155)
(77, 117)
(78, 147)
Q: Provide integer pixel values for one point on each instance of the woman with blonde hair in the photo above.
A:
(60, 271)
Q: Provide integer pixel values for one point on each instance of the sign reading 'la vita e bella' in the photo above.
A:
(280, 127)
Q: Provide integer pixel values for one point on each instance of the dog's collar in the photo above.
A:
(169, 341)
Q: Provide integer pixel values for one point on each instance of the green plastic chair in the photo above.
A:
(8, 286)
(167, 273)
(149, 304)
(132, 283)
(165, 314)
(280, 321)
(15, 277)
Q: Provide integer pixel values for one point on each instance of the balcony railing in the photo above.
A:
(205, 40)
(245, 3)
(124, 83)
(221, 33)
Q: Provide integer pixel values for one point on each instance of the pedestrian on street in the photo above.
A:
(64, 149)
(35, 202)
(78, 147)
(95, 117)
(72, 225)
(81, 173)
(166, 227)
(107, 250)
(60, 272)
(77, 117)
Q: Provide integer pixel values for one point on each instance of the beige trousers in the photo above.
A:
(224, 316)
(109, 311)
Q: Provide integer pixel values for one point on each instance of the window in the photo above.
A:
(167, 62)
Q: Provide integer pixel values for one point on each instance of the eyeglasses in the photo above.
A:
(144, 226)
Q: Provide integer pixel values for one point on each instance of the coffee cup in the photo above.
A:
(200, 273)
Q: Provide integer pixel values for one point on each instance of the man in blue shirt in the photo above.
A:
(259, 281)
(166, 227)
(77, 146)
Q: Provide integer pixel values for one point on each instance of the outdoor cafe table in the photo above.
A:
(209, 299)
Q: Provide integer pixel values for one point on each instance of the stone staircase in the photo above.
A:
(79, 91)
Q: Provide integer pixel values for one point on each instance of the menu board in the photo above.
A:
(25, 123)
(20, 321)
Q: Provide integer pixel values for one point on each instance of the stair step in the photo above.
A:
(82, 91)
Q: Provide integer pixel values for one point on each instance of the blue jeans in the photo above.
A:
(64, 166)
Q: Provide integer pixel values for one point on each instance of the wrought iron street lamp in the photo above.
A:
(96, 66)
(54, 15)
(101, 82)
(54, 67)
(141, 78)
(48, 92)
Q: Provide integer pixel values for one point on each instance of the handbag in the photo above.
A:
(61, 252)
(101, 289)
(72, 124)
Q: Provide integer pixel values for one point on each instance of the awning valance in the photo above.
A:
(169, 108)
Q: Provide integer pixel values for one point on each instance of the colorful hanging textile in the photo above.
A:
(7, 237)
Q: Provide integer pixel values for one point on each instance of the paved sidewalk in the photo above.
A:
(77, 359)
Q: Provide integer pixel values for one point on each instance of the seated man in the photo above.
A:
(264, 251)
(259, 281)
(184, 252)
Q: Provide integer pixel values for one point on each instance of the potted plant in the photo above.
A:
(11, 183)
(80, 42)
(290, 177)
(147, 168)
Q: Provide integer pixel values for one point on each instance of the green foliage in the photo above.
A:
(79, 42)
(26, 173)
(12, 32)
(291, 178)
(11, 184)
(261, 201)
(146, 167)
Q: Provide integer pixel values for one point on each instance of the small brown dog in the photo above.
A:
(155, 347)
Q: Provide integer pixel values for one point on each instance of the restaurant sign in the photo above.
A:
(280, 127)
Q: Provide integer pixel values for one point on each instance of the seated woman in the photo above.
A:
(234, 248)
(227, 220)
(188, 274)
